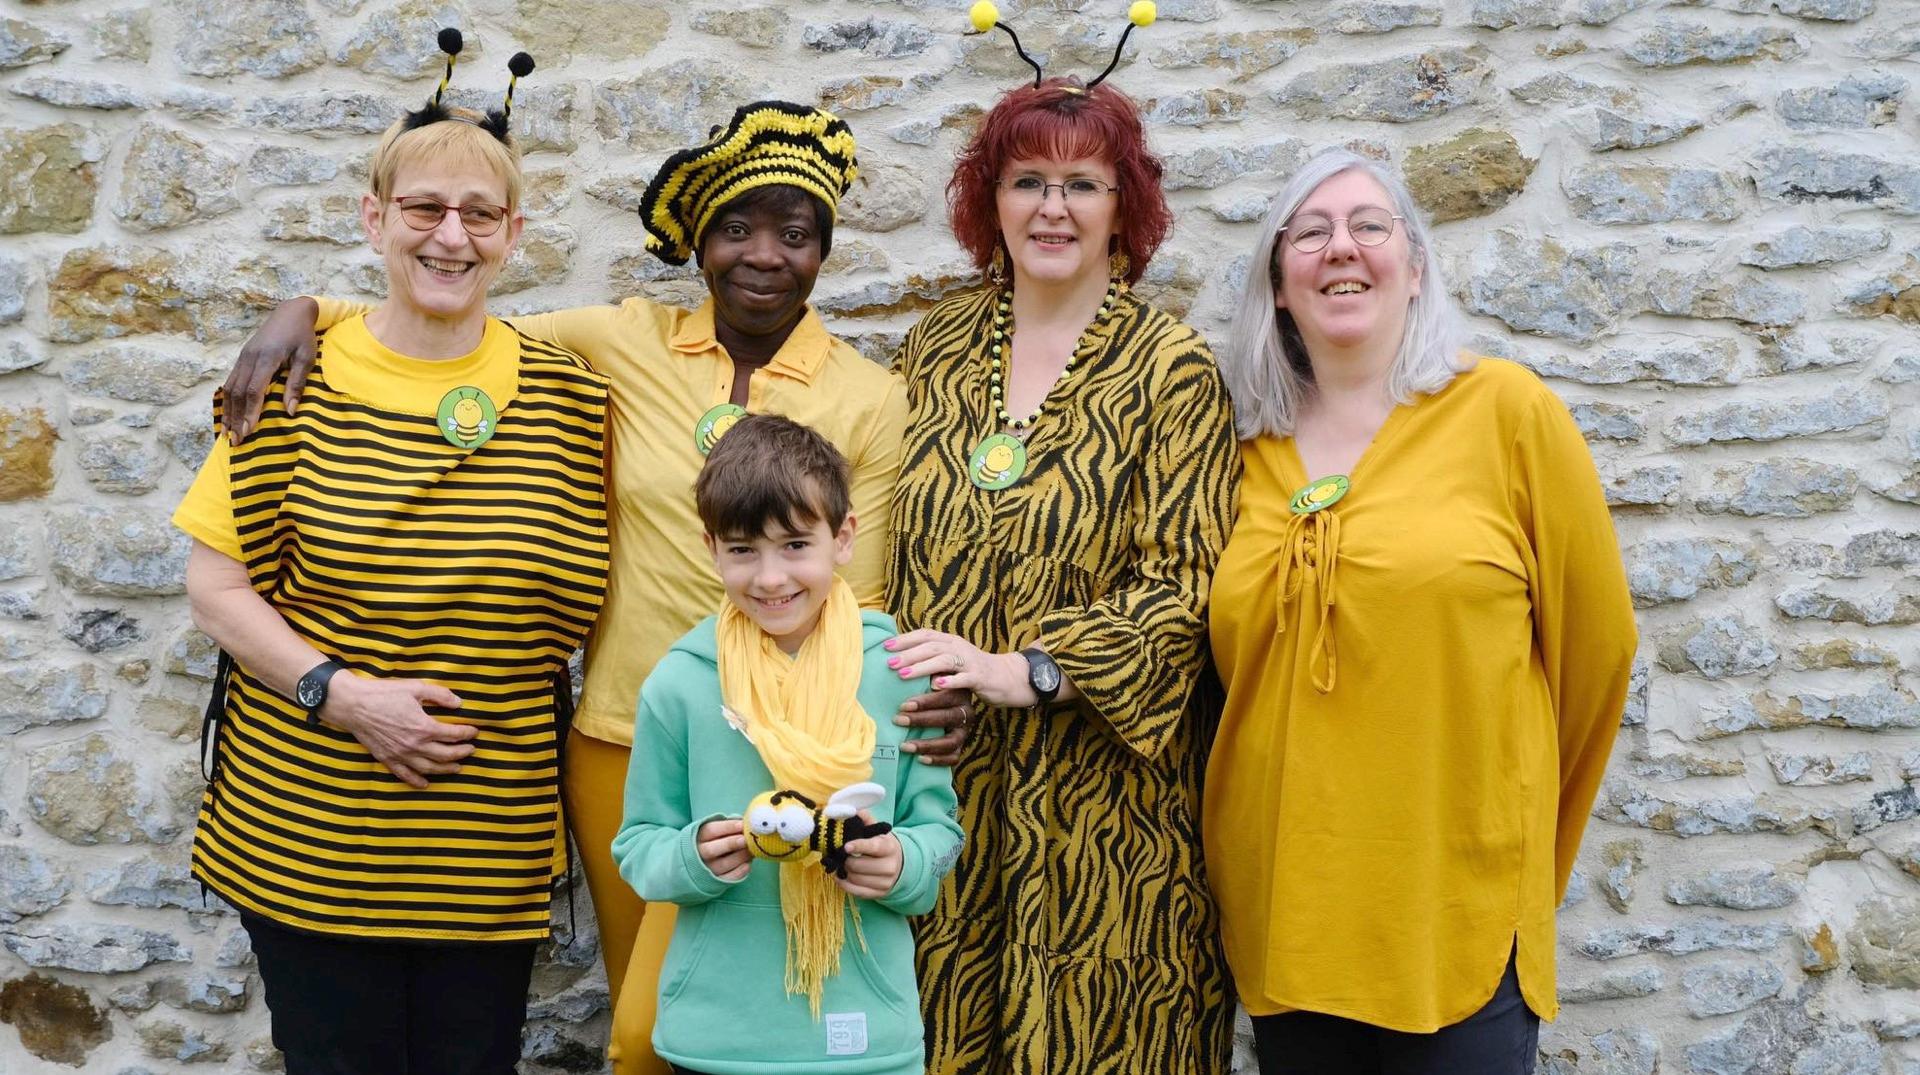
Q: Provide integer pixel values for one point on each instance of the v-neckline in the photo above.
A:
(1382, 437)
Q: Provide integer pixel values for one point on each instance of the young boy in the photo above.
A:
(775, 961)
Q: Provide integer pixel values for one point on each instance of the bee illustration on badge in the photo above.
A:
(467, 417)
(786, 826)
(714, 424)
(1320, 494)
(998, 462)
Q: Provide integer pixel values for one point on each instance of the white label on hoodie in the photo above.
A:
(846, 1033)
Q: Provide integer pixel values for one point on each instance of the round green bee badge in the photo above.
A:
(998, 462)
(714, 424)
(467, 417)
(1319, 494)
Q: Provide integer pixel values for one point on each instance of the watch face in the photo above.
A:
(310, 693)
(1046, 676)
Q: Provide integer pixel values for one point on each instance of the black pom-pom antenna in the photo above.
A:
(450, 41)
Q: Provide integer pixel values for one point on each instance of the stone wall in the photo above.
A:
(1701, 221)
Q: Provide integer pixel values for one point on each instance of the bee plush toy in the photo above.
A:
(786, 826)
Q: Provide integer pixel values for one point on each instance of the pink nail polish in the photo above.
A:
(893, 662)
(940, 684)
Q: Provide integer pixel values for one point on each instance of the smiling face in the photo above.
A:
(781, 579)
(1347, 296)
(760, 258)
(442, 272)
(1055, 240)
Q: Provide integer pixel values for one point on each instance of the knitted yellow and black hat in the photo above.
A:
(768, 143)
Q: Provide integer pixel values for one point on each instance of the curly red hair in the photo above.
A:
(1060, 120)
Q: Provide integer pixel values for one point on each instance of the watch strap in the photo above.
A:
(1036, 660)
(321, 675)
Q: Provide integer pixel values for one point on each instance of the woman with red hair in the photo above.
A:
(1068, 487)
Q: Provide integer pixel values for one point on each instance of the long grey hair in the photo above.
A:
(1265, 363)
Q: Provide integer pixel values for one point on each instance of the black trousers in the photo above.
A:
(342, 1006)
(1502, 1038)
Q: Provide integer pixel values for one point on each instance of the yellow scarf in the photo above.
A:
(803, 715)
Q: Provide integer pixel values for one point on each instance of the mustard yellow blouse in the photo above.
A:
(1424, 679)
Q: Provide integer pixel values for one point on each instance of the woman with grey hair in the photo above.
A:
(1423, 626)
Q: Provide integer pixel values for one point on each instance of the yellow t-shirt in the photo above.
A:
(360, 366)
(667, 371)
(1424, 680)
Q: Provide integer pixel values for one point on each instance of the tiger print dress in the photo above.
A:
(1077, 933)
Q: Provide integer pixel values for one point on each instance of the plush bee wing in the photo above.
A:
(852, 799)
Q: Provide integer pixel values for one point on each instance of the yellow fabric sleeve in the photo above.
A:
(206, 512)
(1582, 614)
(591, 332)
(334, 311)
(875, 474)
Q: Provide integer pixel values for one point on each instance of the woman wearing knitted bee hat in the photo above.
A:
(1069, 486)
(382, 805)
(754, 206)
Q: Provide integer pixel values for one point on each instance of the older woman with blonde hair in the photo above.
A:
(1424, 630)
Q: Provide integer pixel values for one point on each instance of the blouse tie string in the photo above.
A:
(1311, 546)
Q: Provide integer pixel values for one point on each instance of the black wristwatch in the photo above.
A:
(1042, 674)
(311, 692)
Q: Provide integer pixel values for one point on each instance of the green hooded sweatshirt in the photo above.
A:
(724, 1007)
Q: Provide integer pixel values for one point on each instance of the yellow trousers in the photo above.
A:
(633, 936)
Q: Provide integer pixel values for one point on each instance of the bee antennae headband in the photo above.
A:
(435, 110)
(985, 16)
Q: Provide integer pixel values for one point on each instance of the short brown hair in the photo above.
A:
(770, 470)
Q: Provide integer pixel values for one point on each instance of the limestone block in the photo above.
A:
(1673, 43)
(1217, 165)
(1622, 863)
(1747, 298)
(1651, 194)
(886, 196)
(26, 452)
(1404, 88)
(754, 27)
(97, 630)
(885, 38)
(864, 93)
(1781, 488)
(48, 177)
(324, 218)
(1758, 886)
(1889, 42)
(917, 291)
(1803, 244)
(30, 884)
(544, 255)
(1538, 285)
(164, 1039)
(171, 179)
(209, 294)
(1683, 765)
(146, 882)
(1683, 360)
(1708, 817)
(1888, 807)
(1610, 116)
(1718, 647)
(57, 1022)
(1820, 770)
(269, 38)
(329, 112)
(188, 437)
(1798, 173)
(92, 948)
(1675, 569)
(236, 950)
(668, 107)
(1895, 294)
(137, 374)
(289, 166)
(122, 35)
(23, 43)
(1680, 938)
(1842, 653)
(1726, 987)
(193, 655)
(1195, 108)
(1624, 1051)
(1470, 174)
(1868, 99)
(121, 463)
(1897, 606)
(1239, 54)
(401, 41)
(1611, 985)
(1885, 942)
(1876, 709)
(1819, 349)
(212, 993)
(1779, 1036)
(122, 552)
(1609, 421)
(41, 693)
(1853, 411)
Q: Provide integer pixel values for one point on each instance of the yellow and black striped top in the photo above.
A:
(399, 554)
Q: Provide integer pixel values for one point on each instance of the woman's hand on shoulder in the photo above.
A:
(286, 339)
(389, 718)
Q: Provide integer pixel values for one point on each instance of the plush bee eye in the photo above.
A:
(795, 824)
(762, 820)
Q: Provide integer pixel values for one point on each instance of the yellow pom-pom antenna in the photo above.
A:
(983, 15)
(1143, 12)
